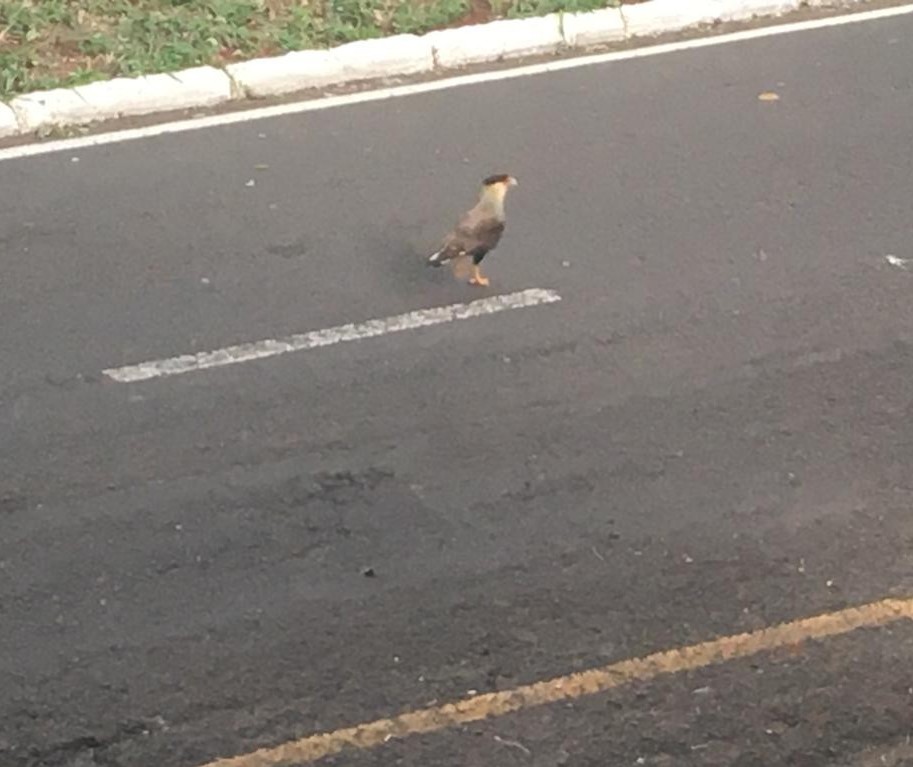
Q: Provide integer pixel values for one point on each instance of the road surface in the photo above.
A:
(710, 433)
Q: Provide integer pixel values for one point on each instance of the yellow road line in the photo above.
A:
(574, 686)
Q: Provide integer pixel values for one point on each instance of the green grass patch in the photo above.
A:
(52, 43)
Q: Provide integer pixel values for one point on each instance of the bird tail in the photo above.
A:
(436, 258)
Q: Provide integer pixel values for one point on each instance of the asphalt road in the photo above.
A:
(710, 433)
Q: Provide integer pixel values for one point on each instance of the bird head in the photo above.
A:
(494, 188)
(504, 180)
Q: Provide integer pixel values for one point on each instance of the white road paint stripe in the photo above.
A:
(355, 331)
(900, 263)
(313, 105)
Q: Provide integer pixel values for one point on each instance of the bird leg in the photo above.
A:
(477, 278)
(461, 266)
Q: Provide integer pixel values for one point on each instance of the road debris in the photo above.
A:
(513, 744)
(900, 263)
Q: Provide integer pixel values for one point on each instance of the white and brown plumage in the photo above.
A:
(478, 231)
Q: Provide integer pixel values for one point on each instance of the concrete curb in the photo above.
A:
(496, 41)
(9, 124)
(363, 60)
(397, 56)
(581, 30)
(122, 97)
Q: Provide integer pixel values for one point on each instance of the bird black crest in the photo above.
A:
(498, 178)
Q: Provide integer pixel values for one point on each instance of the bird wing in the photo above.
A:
(474, 233)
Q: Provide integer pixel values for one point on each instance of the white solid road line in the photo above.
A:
(356, 331)
(320, 103)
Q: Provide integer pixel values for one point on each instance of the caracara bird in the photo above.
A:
(477, 232)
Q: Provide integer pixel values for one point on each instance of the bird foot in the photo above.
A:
(482, 281)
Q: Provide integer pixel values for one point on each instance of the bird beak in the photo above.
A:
(513, 181)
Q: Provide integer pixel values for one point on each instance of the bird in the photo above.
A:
(477, 232)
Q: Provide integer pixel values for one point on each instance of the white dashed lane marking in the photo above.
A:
(355, 331)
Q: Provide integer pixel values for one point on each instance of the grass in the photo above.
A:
(53, 43)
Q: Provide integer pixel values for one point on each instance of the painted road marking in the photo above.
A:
(355, 331)
(573, 686)
(320, 103)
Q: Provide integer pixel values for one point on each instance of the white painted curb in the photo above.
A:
(198, 87)
(9, 125)
(664, 16)
(397, 56)
(284, 74)
(363, 60)
(60, 106)
(497, 40)
(740, 10)
(661, 16)
(595, 28)
(392, 56)
(123, 97)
